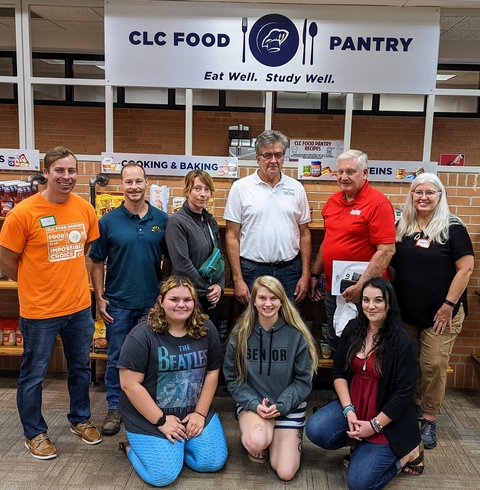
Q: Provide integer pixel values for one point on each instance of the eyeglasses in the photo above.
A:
(425, 193)
(268, 156)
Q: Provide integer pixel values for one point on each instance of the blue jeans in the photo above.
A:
(327, 428)
(76, 331)
(288, 276)
(124, 321)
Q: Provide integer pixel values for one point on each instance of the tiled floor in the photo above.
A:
(453, 464)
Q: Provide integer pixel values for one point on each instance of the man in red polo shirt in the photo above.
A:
(359, 226)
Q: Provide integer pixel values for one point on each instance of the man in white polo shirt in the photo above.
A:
(267, 232)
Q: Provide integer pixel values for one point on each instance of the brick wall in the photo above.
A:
(162, 131)
(387, 138)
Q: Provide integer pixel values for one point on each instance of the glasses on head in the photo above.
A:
(268, 156)
(425, 193)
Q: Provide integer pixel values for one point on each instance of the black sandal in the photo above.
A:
(414, 466)
(346, 460)
(123, 447)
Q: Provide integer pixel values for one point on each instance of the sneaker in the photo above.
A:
(428, 433)
(111, 424)
(40, 447)
(87, 431)
(419, 410)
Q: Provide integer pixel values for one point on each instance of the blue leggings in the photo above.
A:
(159, 462)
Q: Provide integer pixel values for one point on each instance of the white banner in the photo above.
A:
(378, 170)
(179, 165)
(271, 47)
(18, 159)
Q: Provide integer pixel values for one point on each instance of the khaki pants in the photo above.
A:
(433, 357)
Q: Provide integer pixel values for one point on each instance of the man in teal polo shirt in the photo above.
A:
(131, 243)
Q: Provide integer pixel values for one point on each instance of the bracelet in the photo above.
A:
(376, 426)
(449, 303)
(200, 414)
(348, 408)
(316, 276)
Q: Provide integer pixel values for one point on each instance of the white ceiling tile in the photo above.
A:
(448, 21)
(86, 14)
(80, 26)
(453, 35)
(44, 25)
(8, 22)
(468, 24)
(99, 11)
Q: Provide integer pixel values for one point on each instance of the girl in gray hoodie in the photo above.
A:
(269, 364)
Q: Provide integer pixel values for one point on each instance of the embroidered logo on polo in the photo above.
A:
(356, 212)
(273, 40)
(156, 229)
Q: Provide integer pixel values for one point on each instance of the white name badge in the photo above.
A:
(423, 242)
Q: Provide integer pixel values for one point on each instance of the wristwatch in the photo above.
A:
(161, 421)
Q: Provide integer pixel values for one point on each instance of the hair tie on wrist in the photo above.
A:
(316, 276)
(348, 408)
(204, 416)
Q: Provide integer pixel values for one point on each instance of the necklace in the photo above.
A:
(366, 356)
(419, 234)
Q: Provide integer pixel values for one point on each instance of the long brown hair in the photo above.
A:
(195, 323)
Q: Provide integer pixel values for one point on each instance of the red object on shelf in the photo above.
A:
(9, 323)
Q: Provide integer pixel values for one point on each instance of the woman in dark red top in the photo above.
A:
(374, 376)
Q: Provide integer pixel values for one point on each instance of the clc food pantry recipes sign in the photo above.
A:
(271, 47)
(315, 148)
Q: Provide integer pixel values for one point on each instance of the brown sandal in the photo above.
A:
(416, 467)
(263, 457)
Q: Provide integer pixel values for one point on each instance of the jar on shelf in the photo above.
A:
(18, 338)
(8, 337)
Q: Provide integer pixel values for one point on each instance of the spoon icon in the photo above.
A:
(313, 31)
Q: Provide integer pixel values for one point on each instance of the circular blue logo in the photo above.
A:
(273, 40)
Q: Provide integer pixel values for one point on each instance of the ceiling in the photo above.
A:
(460, 19)
(82, 30)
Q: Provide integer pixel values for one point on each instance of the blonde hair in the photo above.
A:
(195, 323)
(244, 326)
(437, 228)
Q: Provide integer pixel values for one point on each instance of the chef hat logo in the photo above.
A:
(273, 40)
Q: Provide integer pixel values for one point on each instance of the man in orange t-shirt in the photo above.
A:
(42, 246)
